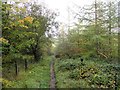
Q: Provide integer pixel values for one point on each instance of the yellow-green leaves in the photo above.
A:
(29, 19)
(3, 40)
(5, 82)
(36, 23)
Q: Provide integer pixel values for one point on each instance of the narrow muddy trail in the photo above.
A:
(52, 74)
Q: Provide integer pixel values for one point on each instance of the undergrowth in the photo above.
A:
(71, 73)
(38, 76)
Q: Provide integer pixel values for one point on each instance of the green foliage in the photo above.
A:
(5, 83)
(68, 64)
(102, 80)
(24, 38)
(95, 38)
(75, 74)
(93, 74)
(37, 76)
(27, 36)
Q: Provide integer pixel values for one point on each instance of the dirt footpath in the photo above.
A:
(52, 74)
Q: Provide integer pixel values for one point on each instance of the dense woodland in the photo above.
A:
(25, 36)
(89, 51)
(85, 55)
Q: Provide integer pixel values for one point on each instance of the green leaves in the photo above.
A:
(23, 30)
(36, 24)
(94, 73)
(36, 77)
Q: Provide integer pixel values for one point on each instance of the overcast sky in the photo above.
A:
(62, 6)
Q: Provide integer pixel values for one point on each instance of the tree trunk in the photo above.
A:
(36, 56)
(96, 26)
(26, 65)
(119, 32)
(16, 68)
(109, 27)
(35, 50)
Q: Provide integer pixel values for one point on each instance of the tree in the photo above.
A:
(98, 17)
(43, 22)
(93, 35)
(24, 31)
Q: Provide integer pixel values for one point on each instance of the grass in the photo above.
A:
(38, 76)
(91, 74)
(70, 73)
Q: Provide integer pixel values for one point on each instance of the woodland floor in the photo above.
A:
(52, 74)
(66, 73)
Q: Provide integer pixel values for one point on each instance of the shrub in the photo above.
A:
(101, 79)
(68, 64)
(75, 74)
